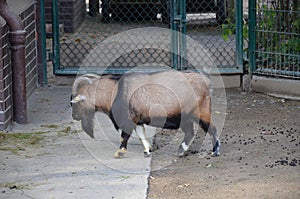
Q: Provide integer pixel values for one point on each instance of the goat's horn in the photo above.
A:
(91, 76)
(78, 98)
(78, 80)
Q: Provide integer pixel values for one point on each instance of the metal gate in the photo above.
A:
(274, 38)
(114, 36)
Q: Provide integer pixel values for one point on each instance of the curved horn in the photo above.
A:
(78, 98)
(91, 75)
(78, 81)
(86, 77)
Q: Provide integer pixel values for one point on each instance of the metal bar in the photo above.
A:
(174, 35)
(239, 34)
(283, 73)
(276, 53)
(55, 32)
(183, 51)
(280, 11)
(252, 36)
(75, 71)
(43, 43)
(277, 32)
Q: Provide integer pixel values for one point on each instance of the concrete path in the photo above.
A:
(66, 163)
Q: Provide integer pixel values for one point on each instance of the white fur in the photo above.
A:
(184, 146)
(140, 131)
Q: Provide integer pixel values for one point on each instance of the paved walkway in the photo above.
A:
(66, 163)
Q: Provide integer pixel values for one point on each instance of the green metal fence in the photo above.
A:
(114, 36)
(274, 38)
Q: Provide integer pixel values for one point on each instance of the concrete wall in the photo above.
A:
(287, 88)
(26, 10)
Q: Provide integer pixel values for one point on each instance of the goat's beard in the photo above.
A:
(87, 122)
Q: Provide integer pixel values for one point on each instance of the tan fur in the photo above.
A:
(105, 93)
(100, 94)
(160, 94)
(173, 91)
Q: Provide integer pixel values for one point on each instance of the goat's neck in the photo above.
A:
(105, 96)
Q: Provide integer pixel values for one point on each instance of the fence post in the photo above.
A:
(55, 32)
(174, 35)
(252, 36)
(183, 53)
(239, 34)
(43, 67)
(178, 26)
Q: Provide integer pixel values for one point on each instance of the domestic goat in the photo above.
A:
(168, 99)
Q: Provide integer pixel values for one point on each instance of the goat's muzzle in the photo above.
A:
(76, 117)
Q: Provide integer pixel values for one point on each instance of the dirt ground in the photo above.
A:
(260, 154)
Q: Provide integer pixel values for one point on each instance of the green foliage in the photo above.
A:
(229, 28)
(278, 27)
(277, 35)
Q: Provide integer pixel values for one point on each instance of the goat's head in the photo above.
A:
(82, 107)
(77, 103)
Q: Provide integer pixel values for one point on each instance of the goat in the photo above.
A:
(168, 99)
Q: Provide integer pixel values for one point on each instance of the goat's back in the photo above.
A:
(160, 94)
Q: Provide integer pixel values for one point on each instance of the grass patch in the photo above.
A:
(66, 131)
(14, 186)
(18, 142)
(50, 126)
(124, 177)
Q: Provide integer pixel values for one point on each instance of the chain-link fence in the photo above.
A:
(118, 35)
(277, 37)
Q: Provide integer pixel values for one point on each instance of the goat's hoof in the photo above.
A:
(180, 152)
(147, 154)
(120, 153)
(215, 154)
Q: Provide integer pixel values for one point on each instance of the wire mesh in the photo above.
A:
(118, 35)
(278, 38)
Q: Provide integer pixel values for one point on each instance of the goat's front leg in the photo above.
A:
(123, 147)
(140, 131)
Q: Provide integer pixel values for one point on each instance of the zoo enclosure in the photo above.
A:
(114, 36)
(274, 38)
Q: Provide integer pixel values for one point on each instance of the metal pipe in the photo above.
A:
(17, 38)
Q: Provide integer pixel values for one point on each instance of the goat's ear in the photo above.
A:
(78, 98)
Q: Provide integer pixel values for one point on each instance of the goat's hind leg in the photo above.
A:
(189, 136)
(123, 147)
(211, 129)
(140, 131)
